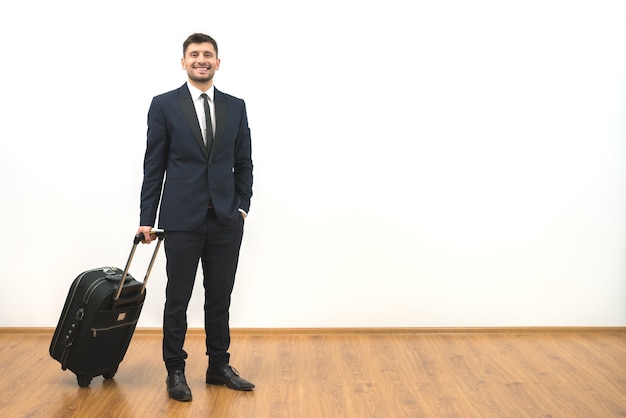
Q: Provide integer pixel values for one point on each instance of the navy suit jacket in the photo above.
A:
(181, 175)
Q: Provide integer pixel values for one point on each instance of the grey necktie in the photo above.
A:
(208, 124)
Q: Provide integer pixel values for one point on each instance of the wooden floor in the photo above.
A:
(382, 374)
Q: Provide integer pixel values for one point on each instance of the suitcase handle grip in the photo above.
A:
(158, 233)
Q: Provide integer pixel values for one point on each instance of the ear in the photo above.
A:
(182, 63)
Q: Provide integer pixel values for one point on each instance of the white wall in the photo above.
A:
(417, 164)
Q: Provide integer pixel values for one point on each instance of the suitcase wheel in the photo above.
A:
(84, 380)
(109, 374)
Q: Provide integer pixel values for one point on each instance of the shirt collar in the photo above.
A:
(195, 93)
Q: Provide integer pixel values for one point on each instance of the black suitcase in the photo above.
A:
(98, 319)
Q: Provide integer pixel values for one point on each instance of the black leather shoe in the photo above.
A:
(177, 386)
(228, 376)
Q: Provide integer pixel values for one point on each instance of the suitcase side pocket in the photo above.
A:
(108, 339)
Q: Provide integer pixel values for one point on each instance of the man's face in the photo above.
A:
(200, 62)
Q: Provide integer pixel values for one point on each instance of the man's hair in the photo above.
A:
(199, 38)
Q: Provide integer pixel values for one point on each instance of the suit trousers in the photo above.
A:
(217, 247)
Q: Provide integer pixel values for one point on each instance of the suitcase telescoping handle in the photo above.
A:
(138, 238)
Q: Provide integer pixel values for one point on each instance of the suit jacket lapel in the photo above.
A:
(186, 104)
(221, 113)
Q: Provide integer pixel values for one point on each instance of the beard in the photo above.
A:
(204, 79)
(201, 79)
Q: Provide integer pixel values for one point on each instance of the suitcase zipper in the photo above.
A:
(95, 330)
(92, 289)
(88, 294)
(73, 290)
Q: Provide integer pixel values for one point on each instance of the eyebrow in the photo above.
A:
(195, 51)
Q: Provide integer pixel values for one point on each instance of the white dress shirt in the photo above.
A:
(198, 103)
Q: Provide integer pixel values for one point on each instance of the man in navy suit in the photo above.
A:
(198, 141)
